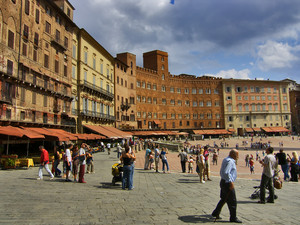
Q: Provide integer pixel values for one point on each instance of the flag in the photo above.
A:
(172, 2)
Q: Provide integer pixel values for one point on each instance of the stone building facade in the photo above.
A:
(295, 107)
(180, 102)
(125, 91)
(95, 82)
(35, 64)
(255, 104)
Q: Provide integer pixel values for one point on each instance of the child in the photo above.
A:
(151, 160)
(191, 164)
(251, 163)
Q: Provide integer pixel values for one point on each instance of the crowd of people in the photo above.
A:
(74, 161)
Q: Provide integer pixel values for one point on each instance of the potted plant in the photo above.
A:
(10, 163)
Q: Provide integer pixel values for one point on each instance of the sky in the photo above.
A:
(244, 39)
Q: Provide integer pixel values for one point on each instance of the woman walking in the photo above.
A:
(164, 160)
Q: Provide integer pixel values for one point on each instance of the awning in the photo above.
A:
(47, 133)
(211, 132)
(19, 132)
(118, 132)
(157, 122)
(231, 130)
(65, 134)
(267, 129)
(101, 130)
(256, 129)
(249, 130)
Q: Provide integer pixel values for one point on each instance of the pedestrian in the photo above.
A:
(201, 165)
(56, 162)
(68, 159)
(164, 159)
(147, 154)
(75, 162)
(44, 163)
(151, 160)
(247, 157)
(207, 164)
(282, 161)
(215, 158)
(251, 164)
(183, 160)
(89, 161)
(82, 163)
(108, 148)
(127, 158)
(294, 166)
(269, 164)
(119, 150)
(191, 164)
(156, 158)
(228, 176)
(133, 158)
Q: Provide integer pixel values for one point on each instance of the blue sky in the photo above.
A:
(223, 38)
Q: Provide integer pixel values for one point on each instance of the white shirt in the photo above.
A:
(68, 155)
(81, 152)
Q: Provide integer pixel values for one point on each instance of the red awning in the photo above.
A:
(47, 133)
(118, 132)
(249, 130)
(256, 129)
(157, 122)
(101, 130)
(231, 130)
(11, 131)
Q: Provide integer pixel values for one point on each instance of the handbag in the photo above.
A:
(277, 183)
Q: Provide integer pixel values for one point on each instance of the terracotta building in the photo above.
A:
(166, 101)
(255, 104)
(35, 64)
(125, 89)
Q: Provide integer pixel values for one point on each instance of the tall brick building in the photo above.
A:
(166, 101)
(35, 63)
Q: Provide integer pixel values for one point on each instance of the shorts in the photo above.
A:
(68, 167)
(251, 168)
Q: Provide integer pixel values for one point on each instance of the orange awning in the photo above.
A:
(256, 129)
(157, 122)
(231, 130)
(118, 132)
(47, 133)
(249, 130)
(101, 130)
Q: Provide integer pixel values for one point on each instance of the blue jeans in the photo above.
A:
(285, 170)
(131, 176)
(55, 165)
(126, 180)
(165, 162)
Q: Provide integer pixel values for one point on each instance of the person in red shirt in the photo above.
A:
(44, 163)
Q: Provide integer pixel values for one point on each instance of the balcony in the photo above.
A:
(56, 41)
(89, 86)
(98, 115)
(6, 98)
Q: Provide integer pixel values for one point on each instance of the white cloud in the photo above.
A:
(274, 55)
(236, 74)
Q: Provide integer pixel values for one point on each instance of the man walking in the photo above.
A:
(269, 164)
(183, 160)
(44, 163)
(147, 154)
(157, 154)
(228, 175)
(281, 157)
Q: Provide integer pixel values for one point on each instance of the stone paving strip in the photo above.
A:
(157, 198)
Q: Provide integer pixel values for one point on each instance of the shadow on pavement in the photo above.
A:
(197, 219)
(109, 185)
(187, 181)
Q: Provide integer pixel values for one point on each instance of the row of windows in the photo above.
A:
(178, 90)
(124, 82)
(254, 89)
(257, 107)
(187, 123)
(254, 118)
(179, 102)
(94, 106)
(109, 73)
(151, 115)
(256, 97)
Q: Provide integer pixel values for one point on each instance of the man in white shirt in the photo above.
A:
(68, 159)
(269, 165)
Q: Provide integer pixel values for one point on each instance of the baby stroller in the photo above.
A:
(276, 182)
(117, 172)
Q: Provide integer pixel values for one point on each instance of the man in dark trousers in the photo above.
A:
(228, 176)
